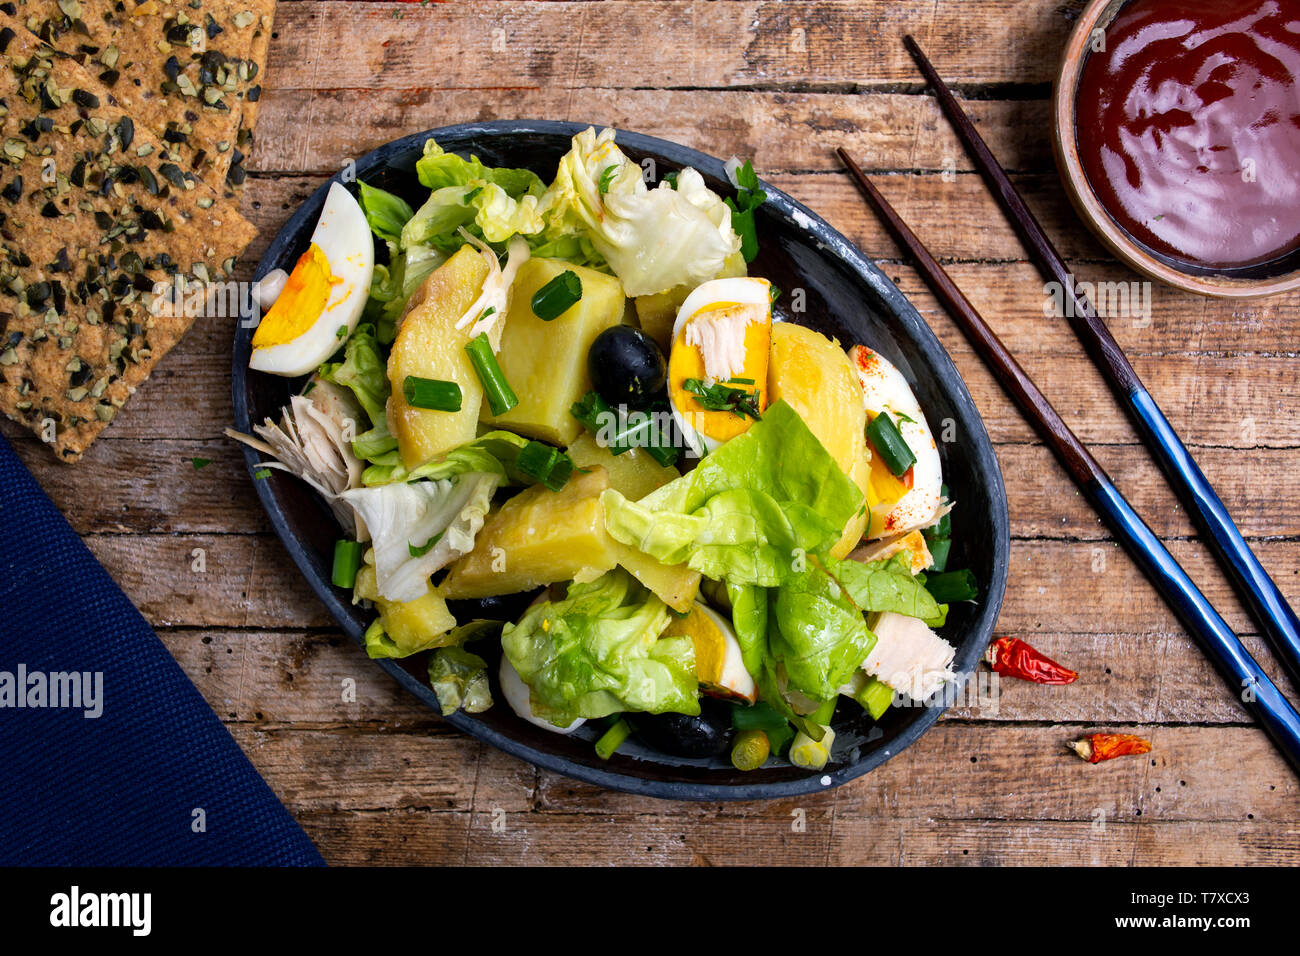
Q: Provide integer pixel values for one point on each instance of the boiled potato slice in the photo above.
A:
(538, 537)
(429, 345)
(633, 474)
(674, 584)
(414, 625)
(815, 376)
(546, 362)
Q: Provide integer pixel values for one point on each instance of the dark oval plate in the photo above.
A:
(846, 296)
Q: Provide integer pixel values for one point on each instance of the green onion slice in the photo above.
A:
(886, 439)
(612, 739)
(952, 586)
(431, 393)
(544, 464)
(558, 296)
(347, 559)
(501, 397)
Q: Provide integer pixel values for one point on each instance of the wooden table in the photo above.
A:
(382, 779)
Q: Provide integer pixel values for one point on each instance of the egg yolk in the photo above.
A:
(302, 302)
(687, 362)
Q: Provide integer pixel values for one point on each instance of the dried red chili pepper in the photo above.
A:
(1098, 747)
(1014, 658)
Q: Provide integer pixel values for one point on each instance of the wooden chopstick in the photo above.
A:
(1265, 702)
(1261, 594)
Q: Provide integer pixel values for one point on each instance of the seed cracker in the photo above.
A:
(184, 68)
(96, 220)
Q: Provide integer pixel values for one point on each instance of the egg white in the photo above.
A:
(343, 236)
(884, 389)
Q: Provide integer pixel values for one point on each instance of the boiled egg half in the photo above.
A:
(912, 500)
(721, 342)
(323, 297)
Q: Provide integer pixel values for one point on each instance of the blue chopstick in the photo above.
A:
(1241, 671)
(1257, 693)
(1270, 608)
(1275, 616)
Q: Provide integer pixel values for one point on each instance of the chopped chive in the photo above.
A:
(720, 398)
(200, 463)
(612, 739)
(347, 560)
(952, 586)
(431, 393)
(671, 178)
(889, 442)
(261, 474)
(544, 464)
(422, 550)
(341, 332)
(607, 178)
(558, 296)
(773, 293)
(939, 551)
(501, 397)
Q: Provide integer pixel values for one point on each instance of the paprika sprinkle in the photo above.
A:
(1014, 658)
(1098, 747)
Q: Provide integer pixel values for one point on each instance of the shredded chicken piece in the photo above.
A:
(489, 309)
(311, 441)
(719, 334)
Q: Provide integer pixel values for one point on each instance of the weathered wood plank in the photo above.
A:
(1019, 772)
(573, 46)
(322, 770)
(315, 131)
(422, 837)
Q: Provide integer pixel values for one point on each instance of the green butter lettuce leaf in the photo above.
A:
(437, 169)
(750, 511)
(598, 652)
(820, 638)
(653, 239)
(460, 681)
(364, 370)
(385, 212)
(888, 586)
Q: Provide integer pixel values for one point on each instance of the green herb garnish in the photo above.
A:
(748, 198)
(721, 397)
(423, 549)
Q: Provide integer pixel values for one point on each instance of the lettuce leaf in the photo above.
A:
(493, 452)
(421, 526)
(750, 511)
(459, 680)
(653, 239)
(385, 212)
(888, 586)
(364, 370)
(820, 637)
(438, 169)
(598, 652)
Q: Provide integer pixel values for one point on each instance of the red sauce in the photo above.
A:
(1188, 127)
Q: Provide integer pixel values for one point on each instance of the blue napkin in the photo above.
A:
(154, 779)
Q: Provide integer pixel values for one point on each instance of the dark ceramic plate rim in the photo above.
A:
(835, 245)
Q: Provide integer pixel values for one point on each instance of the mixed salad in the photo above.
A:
(564, 423)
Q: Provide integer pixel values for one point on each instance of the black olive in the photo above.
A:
(707, 735)
(626, 367)
(506, 607)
